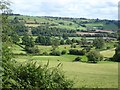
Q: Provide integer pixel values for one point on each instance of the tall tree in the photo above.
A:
(65, 36)
(83, 41)
(98, 43)
(6, 45)
(28, 41)
(15, 38)
(116, 57)
(55, 43)
(28, 76)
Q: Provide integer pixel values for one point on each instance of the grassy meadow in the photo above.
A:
(101, 75)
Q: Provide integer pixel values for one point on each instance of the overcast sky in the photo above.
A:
(103, 9)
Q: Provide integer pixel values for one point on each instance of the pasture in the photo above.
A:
(101, 75)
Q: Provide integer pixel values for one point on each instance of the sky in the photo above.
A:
(102, 9)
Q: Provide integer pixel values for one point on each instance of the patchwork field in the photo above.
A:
(68, 24)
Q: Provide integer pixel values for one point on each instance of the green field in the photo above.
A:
(108, 53)
(91, 75)
(101, 75)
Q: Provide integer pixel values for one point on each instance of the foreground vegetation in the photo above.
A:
(28, 75)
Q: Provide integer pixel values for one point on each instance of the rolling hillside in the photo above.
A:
(79, 24)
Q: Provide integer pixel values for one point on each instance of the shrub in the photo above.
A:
(94, 56)
(82, 52)
(32, 50)
(45, 53)
(77, 59)
(63, 52)
(68, 41)
(116, 57)
(30, 76)
(73, 45)
(108, 47)
(88, 48)
(56, 53)
(76, 52)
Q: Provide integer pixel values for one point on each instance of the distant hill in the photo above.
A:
(79, 24)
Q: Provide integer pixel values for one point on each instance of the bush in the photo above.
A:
(56, 53)
(108, 47)
(94, 56)
(88, 48)
(45, 53)
(73, 45)
(63, 52)
(116, 57)
(33, 77)
(77, 59)
(32, 50)
(76, 52)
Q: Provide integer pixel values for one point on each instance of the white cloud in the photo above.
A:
(72, 8)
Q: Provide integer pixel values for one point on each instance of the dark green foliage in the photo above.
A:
(15, 38)
(28, 41)
(45, 53)
(62, 42)
(83, 41)
(43, 40)
(76, 52)
(63, 52)
(31, 76)
(56, 53)
(116, 57)
(15, 20)
(77, 59)
(21, 29)
(65, 36)
(68, 41)
(62, 23)
(52, 31)
(55, 43)
(73, 45)
(32, 50)
(99, 43)
(18, 27)
(73, 40)
(87, 49)
(27, 76)
(5, 42)
(108, 47)
(94, 56)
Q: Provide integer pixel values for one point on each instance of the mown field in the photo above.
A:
(101, 75)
